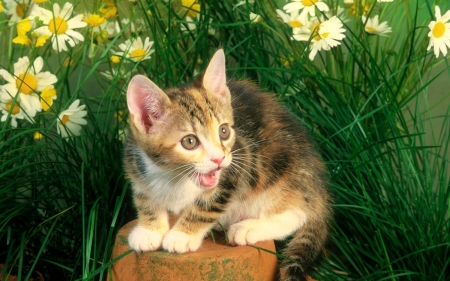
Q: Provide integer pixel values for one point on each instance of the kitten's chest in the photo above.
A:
(165, 189)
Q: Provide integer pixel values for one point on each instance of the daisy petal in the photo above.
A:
(38, 64)
(7, 76)
(56, 11)
(45, 79)
(76, 22)
(66, 11)
(21, 66)
(8, 92)
(75, 35)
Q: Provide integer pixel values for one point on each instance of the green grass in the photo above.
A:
(63, 201)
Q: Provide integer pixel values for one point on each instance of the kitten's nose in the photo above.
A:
(218, 161)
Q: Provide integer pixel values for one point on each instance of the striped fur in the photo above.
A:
(271, 182)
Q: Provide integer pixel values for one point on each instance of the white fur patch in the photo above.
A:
(250, 231)
(254, 207)
(167, 189)
(142, 239)
(180, 242)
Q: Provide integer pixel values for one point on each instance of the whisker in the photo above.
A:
(245, 170)
(249, 145)
(168, 192)
(241, 156)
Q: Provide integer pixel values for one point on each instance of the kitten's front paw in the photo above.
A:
(245, 232)
(180, 242)
(142, 239)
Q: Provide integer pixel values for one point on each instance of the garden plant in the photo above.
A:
(357, 73)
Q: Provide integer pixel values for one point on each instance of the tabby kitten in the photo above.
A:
(218, 152)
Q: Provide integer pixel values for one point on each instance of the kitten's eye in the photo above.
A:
(189, 142)
(224, 131)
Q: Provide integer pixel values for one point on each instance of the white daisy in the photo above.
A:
(372, 26)
(136, 50)
(71, 119)
(323, 35)
(15, 112)
(304, 33)
(379, 1)
(439, 32)
(116, 73)
(191, 25)
(131, 27)
(18, 9)
(308, 6)
(293, 19)
(254, 18)
(108, 28)
(27, 81)
(109, 74)
(59, 26)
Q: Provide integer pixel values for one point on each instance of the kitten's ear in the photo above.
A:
(214, 79)
(146, 101)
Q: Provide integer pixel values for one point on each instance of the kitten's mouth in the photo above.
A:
(210, 179)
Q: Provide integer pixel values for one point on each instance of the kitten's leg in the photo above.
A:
(279, 226)
(193, 225)
(152, 225)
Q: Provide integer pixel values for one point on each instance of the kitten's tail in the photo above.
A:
(305, 250)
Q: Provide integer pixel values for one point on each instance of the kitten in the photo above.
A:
(223, 152)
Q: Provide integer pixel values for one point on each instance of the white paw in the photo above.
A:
(180, 242)
(246, 232)
(142, 239)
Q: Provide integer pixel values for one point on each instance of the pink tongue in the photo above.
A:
(209, 179)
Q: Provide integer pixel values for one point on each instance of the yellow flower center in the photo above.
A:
(15, 110)
(438, 29)
(365, 8)
(309, 3)
(370, 29)
(324, 35)
(315, 31)
(26, 83)
(295, 23)
(138, 54)
(64, 119)
(20, 8)
(58, 26)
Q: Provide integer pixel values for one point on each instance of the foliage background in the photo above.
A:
(63, 201)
